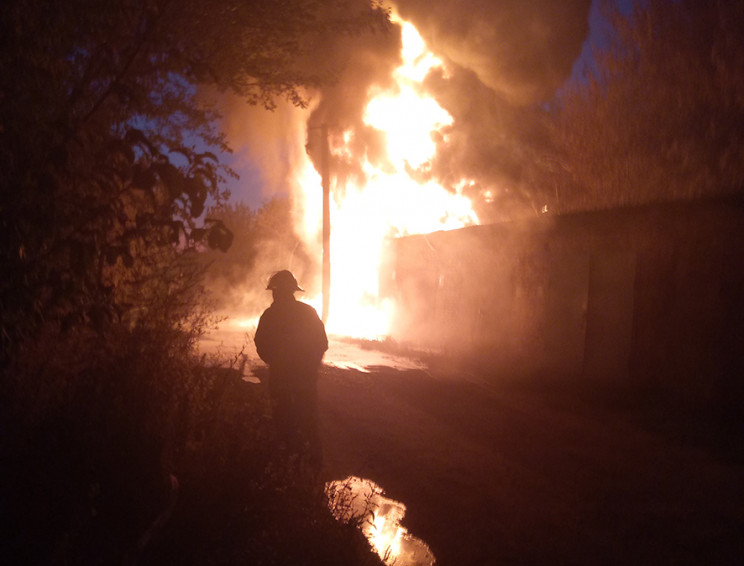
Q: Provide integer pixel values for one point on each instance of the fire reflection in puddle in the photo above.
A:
(361, 500)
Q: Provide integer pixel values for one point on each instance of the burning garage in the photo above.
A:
(407, 148)
(434, 167)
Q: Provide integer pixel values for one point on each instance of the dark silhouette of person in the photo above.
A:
(291, 339)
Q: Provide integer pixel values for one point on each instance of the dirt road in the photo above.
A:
(502, 473)
(507, 474)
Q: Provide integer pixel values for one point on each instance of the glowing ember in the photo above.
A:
(396, 198)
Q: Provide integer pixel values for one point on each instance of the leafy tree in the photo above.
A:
(107, 140)
(108, 145)
(663, 116)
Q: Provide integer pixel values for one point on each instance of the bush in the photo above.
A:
(125, 446)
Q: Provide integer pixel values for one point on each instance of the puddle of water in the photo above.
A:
(346, 354)
(348, 365)
(360, 500)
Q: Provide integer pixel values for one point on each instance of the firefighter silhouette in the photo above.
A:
(291, 339)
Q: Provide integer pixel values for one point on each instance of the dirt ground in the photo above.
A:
(497, 472)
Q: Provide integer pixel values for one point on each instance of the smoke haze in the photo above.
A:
(266, 141)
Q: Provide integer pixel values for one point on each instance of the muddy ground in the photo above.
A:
(496, 471)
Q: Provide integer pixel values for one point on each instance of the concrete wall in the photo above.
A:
(651, 294)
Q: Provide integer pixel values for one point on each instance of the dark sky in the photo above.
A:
(503, 54)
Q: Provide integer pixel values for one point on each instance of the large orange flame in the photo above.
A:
(391, 201)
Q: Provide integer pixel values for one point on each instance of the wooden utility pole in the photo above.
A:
(325, 164)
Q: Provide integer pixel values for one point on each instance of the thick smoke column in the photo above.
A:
(522, 50)
(501, 56)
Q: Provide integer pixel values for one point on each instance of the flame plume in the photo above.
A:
(395, 196)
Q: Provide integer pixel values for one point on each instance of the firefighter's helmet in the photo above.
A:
(283, 280)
